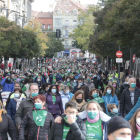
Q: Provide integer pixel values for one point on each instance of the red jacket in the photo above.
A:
(2, 66)
(10, 65)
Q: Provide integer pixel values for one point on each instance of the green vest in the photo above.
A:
(94, 130)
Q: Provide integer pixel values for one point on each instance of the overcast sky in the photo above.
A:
(45, 5)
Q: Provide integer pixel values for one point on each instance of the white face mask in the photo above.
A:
(67, 92)
(138, 121)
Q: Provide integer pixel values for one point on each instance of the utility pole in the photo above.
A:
(131, 61)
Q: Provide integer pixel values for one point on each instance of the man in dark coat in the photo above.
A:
(129, 98)
(71, 127)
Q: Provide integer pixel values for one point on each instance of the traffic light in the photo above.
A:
(58, 33)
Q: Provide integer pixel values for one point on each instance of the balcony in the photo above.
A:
(65, 36)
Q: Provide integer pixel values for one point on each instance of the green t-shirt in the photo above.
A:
(138, 137)
(94, 130)
(53, 99)
(68, 84)
(54, 79)
(65, 132)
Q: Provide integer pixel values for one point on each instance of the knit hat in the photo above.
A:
(116, 123)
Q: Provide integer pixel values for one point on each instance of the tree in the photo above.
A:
(35, 26)
(30, 47)
(85, 28)
(122, 24)
(10, 36)
(54, 44)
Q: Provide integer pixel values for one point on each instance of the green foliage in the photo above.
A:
(85, 28)
(54, 44)
(30, 47)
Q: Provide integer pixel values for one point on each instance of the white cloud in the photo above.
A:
(45, 5)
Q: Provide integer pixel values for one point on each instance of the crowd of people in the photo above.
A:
(69, 100)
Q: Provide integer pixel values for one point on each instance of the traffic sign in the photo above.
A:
(119, 60)
(134, 58)
(119, 54)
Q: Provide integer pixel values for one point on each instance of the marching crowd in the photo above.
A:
(69, 100)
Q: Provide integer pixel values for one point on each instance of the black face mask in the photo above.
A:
(79, 100)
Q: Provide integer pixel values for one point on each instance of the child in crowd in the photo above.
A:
(112, 110)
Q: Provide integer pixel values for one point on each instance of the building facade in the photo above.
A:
(16, 10)
(46, 19)
(65, 18)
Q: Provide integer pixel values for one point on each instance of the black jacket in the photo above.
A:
(77, 130)
(35, 132)
(7, 126)
(124, 86)
(25, 106)
(125, 102)
(95, 82)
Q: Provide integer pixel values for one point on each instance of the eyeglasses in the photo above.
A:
(69, 113)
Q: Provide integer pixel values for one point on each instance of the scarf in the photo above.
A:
(18, 101)
(0, 115)
(39, 117)
(81, 104)
(94, 120)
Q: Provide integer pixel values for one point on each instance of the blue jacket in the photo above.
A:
(77, 76)
(7, 85)
(43, 81)
(71, 95)
(11, 110)
(104, 124)
(108, 99)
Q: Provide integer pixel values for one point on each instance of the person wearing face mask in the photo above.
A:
(68, 81)
(79, 84)
(109, 97)
(39, 121)
(14, 103)
(89, 83)
(112, 110)
(8, 84)
(119, 129)
(96, 95)
(117, 91)
(71, 126)
(124, 85)
(55, 78)
(95, 80)
(79, 99)
(96, 122)
(105, 82)
(135, 125)
(6, 125)
(27, 105)
(65, 95)
(129, 97)
(54, 101)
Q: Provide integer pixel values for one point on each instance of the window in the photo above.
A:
(49, 26)
(67, 23)
(58, 22)
(75, 12)
(66, 33)
(59, 12)
(74, 23)
(66, 43)
(43, 26)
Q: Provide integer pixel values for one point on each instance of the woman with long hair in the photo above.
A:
(135, 125)
(96, 95)
(109, 96)
(80, 100)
